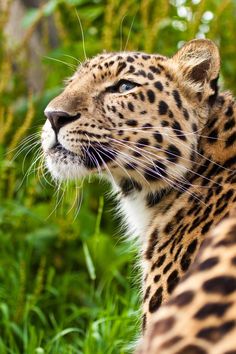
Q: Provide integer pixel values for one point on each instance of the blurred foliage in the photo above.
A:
(67, 282)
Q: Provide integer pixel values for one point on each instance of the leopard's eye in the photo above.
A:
(122, 86)
(125, 86)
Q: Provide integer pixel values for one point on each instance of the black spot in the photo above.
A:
(136, 154)
(186, 114)
(155, 172)
(151, 96)
(172, 153)
(186, 259)
(168, 228)
(157, 135)
(177, 98)
(163, 325)
(154, 198)
(141, 95)
(159, 261)
(121, 67)
(154, 69)
(131, 69)
(170, 342)
(233, 260)
(144, 322)
(182, 299)
(185, 262)
(231, 140)
(215, 333)
(230, 162)
(130, 106)
(158, 85)
(167, 267)
(172, 281)
(132, 122)
(157, 278)
(150, 76)
(178, 130)
(147, 125)
(129, 185)
(162, 108)
(229, 112)
(207, 226)
(191, 349)
(208, 263)
(164, 123)
(156, 300)
(147, 293)
(142, 142)
(170, 114)
(141, 73)
(146, 56)
(213, 136)
(217, 309)
(152, 244)
(194, 127)
(130, 59)
(130, 165)
(229, 124)
(223, 285)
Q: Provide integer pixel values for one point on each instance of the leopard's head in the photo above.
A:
(132, 116)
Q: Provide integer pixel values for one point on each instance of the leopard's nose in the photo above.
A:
(59, 119)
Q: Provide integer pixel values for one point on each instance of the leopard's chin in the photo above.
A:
(64, 164)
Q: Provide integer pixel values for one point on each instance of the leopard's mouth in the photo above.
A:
(59, 148)
(93, 156)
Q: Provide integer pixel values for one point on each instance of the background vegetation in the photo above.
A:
(67, 282)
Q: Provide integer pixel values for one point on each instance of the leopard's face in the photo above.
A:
(124, 115)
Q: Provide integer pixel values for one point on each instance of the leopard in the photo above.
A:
(162, 133)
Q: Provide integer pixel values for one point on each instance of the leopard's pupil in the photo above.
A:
(126, 86)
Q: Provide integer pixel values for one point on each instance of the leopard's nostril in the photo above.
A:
(59, 119)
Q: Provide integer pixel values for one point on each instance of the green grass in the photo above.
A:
(65, 286)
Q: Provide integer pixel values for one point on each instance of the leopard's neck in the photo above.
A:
(184, 219)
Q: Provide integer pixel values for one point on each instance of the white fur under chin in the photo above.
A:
(63, 172)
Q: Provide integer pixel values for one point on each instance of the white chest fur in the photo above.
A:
(136, 214)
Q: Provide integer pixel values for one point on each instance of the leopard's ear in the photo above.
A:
(198, 64)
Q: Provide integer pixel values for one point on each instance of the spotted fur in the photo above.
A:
(164, 136)
(200, 316)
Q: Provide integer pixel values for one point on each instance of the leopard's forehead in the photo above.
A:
(110, 61)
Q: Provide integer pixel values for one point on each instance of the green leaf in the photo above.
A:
(89, 262)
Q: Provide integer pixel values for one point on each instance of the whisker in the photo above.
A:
(80, 202)
(71, 57)
(130, 29)
(172, 162)
(121, 32)
(23, 144)
(71, 66)
(174, 138)
(181, 132)
(82, 33)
